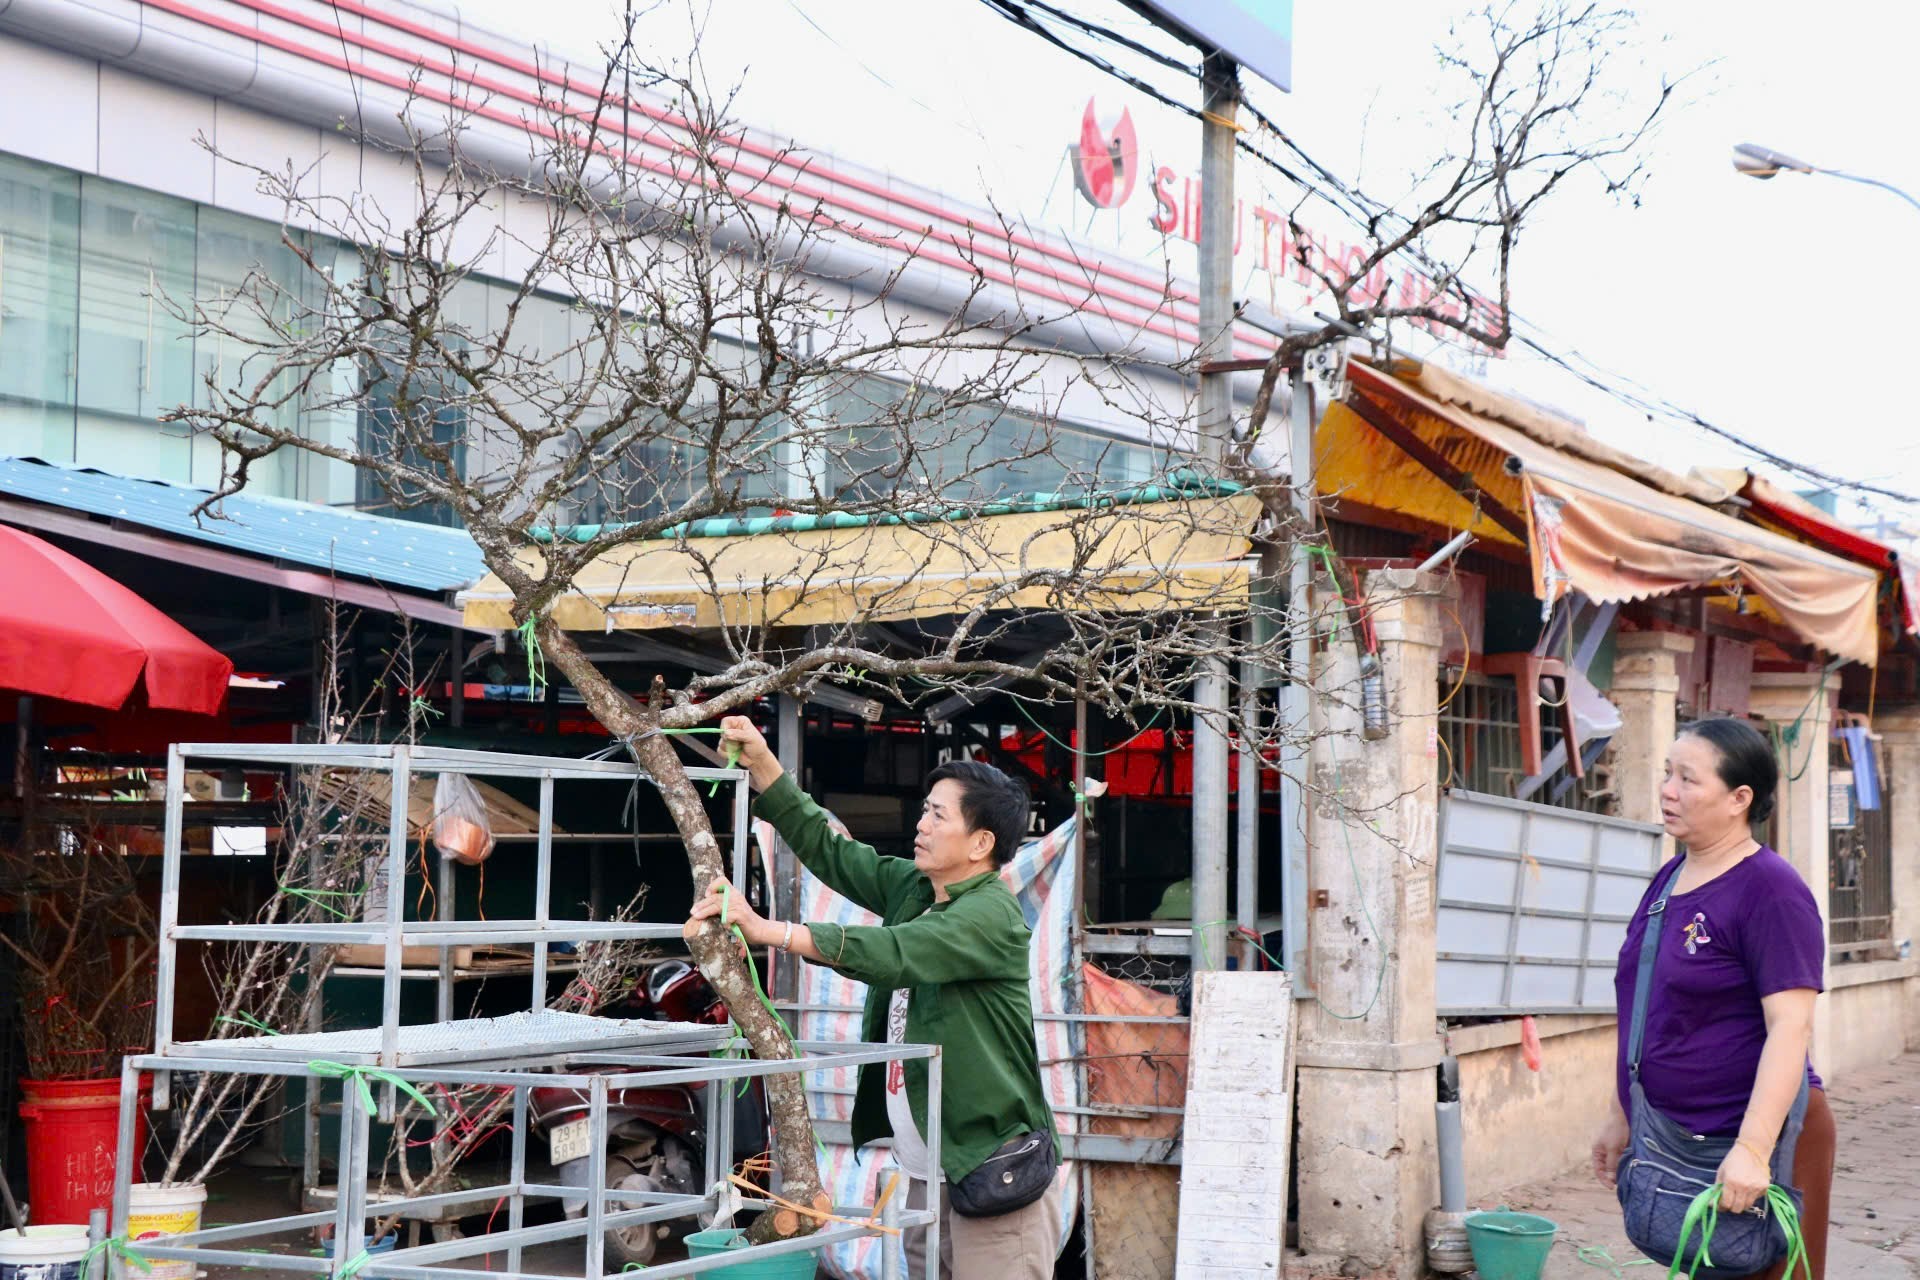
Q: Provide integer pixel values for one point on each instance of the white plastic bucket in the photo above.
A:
(51, 1252)
(155, 1211)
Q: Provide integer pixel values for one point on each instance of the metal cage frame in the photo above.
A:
(537, 1049)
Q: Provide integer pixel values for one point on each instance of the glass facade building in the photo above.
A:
(97, 280)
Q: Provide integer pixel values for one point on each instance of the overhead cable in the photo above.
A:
(1368, 212)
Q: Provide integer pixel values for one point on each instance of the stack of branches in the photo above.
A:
(86, 960)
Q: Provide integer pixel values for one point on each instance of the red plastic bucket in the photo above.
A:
(72, 1134)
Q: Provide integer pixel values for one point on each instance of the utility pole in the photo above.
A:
(1295, 705)
(1221, 85)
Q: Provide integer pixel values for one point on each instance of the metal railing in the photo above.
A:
(1859, 870)
(1479, 746)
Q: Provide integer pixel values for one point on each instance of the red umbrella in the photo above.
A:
(70, 632)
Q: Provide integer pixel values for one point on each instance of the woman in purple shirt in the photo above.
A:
(1730, 1014)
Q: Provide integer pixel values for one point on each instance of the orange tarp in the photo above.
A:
(1134, 1063)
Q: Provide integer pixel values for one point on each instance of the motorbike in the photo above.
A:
(656, 1137)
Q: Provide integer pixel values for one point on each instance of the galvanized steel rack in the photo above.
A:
(607, 1209)
(400, 763)
(536, 1049)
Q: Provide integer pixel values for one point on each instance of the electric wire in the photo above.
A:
(1369, 213)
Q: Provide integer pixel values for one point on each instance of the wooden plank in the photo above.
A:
(1427, 456)
(1237, 1142)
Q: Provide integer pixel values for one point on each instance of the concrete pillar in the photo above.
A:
(1367, 1048)
(1804, 699)
(1646, 688)
(1900, 742)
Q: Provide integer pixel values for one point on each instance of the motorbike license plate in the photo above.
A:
(569, 1141)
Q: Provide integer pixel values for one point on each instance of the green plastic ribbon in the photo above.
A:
(1790, 1219)
(318, 897)
(536, 657)
(354, 1264)
(1596, 1256)
(351, 1073)
(1703, 1214)
(115, 1246)
(244, 1019)
(1021, 706)
(733, 752)
(753, 970)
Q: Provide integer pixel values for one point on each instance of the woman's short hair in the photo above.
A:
(1746, 759)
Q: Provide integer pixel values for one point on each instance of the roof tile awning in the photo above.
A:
(1589, 525)
(1128, 558)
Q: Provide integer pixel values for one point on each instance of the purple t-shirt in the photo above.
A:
(1751, 932)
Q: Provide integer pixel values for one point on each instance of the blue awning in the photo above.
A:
(335, 541)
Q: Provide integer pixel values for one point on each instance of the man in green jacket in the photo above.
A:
(947, 966)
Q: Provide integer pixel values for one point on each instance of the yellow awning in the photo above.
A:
(1589, 525)
(1131, 558)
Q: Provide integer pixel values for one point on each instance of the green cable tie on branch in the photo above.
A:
(115, 1246)
(536, 657)
(360, 1075)
(752, 969)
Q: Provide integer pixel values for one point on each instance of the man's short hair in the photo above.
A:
(989, 801)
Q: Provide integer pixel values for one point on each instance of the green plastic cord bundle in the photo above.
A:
(1704, 1213)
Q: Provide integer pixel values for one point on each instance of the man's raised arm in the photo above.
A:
(851, 869)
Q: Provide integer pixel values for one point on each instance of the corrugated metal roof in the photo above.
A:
(394, 552)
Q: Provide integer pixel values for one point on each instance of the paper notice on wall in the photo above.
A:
(1840, 808)
(239, 842)
(1236, 1144)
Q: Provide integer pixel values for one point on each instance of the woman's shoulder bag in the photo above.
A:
(1665, 1168)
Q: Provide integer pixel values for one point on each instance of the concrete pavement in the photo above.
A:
(1875, 1232)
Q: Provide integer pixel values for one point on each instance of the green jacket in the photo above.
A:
(966, 962)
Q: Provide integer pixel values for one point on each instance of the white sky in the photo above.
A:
(1776, 309)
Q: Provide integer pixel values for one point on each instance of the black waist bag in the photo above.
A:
(1013, 1177)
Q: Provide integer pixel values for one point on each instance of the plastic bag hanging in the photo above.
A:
(461, 830)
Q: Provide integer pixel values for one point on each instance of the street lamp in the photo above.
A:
(1759, 162)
